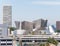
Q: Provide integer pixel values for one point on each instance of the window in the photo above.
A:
(3, 43)
(3, 40)
(9, 43)
(9, 40)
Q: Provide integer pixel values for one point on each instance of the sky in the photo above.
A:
(30, 10)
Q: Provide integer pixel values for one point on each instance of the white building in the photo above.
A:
(3, 30)
(7, 15)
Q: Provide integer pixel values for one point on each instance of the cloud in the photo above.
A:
(45, 3)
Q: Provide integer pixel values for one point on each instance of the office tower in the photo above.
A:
(17, 23)
(28, 26)
(57, 25)
(40, 24)
(7, 15)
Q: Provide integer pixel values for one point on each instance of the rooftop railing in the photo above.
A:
(38, 36)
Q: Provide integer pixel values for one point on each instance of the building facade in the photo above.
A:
(40, 24)
(17, 24)
(6, 41)
(57, 25)
(36, 40)
(3, 30)
(7, 15)
(28, 26)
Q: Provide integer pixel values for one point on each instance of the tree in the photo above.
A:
(47, 44)
(57, 31)
(42, 44)
(32, 32)
(53, 41)
(12, 29)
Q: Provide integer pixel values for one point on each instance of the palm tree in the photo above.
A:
(50, 40)
(53, 41)
(47, 44)
(42, 44)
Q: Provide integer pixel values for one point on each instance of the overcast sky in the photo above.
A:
(33, 9)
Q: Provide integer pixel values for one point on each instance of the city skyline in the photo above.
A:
(29, 10)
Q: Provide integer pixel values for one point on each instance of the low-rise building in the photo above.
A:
(3, 30)
(6, 41)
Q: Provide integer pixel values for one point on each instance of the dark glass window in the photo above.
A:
(3, 40)
(3, 43)
(9, 43)
(9, 39)
(26, 40)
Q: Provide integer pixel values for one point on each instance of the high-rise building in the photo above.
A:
(57, 25)
(17, 23)
(40, 24)
(28, 26)
(7, 15)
